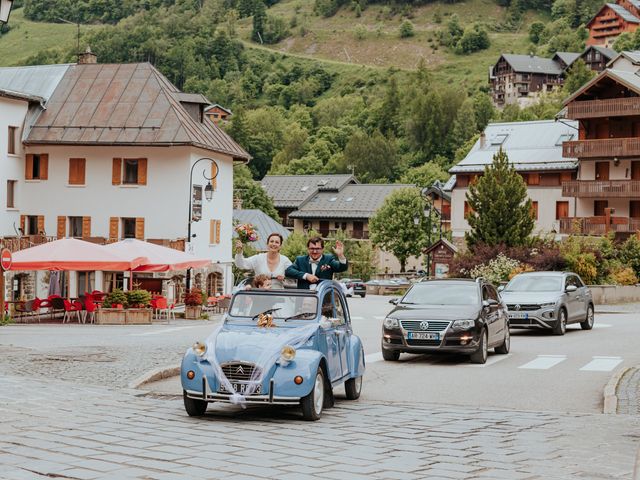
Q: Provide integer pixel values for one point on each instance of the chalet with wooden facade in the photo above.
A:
(536, 151)
(104, 152)
(217, 113)
(612, 20)
(597, 57)
(607, 188)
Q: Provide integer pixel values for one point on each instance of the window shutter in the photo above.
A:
(28, 167)
(23, 223)
(62, 227)
(40, 224)
(140, 228)
(113, 227)
(86, 226)
(218, 223)
(76, 171)
(212, 231)
(44, 166)
(142, 171)
(116, 172)
(214, 176)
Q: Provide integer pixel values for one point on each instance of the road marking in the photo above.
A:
(160, 332)
(490, 361)
(373, 358)
(601, 325)
(544, 362)
(378, 317)
(602, 364)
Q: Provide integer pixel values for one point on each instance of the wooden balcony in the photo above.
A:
(601, 189)
(602, 148)
(615, 107)
(597, 225)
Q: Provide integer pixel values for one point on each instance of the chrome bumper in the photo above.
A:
(208, 396)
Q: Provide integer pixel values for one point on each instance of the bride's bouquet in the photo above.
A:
(246, 232)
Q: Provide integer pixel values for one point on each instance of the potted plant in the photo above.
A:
(112, 311)
(138, 311)
(193, 301)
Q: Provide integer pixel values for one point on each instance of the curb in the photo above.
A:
(155, 375)
(609, 393)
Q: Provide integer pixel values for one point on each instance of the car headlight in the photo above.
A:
(391, 322)
(288, 353)
(199, 349)
(548, 304)
(463, 324)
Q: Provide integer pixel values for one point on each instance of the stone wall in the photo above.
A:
(608, 294)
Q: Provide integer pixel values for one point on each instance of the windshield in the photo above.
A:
(534, 283)
(280, 306)
(442, 293)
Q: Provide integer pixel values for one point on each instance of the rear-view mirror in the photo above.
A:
(570, 288)
(394, 301)
(501, 288)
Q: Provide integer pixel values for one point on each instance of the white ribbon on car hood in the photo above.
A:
(295, 337)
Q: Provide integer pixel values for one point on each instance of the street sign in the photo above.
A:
(5, 259)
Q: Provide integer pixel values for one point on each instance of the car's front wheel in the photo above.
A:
(313, 403)
(481, 354)
(390, 355)
(589, 320)
(194, 408)
(362, 295)
(353, 387)
(561, 324)
(506, 344)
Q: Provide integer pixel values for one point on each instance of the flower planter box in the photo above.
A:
(138, 316)
(111, 316)
(192, 312)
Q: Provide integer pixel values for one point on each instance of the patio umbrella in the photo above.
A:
(72, 254)
(159, 258)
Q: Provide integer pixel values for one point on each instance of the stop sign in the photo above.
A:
(5, 259)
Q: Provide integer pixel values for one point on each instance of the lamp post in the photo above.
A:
(208, 194)
(5, 10)
(430, 209)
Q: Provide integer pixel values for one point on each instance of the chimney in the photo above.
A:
(87, 57)
(483, 140)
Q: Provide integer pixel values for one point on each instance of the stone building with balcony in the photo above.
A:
(535, 149)
(607, 187)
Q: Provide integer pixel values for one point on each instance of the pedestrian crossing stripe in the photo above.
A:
(602, 364)
(544, 362)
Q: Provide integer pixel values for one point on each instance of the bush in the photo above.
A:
(406, 29)
(624, 276)
(475, 38)
(116, 297)
(5, 319)
(138, 298)
(194, 297)
(360, 32)
(630, 254)
(497, 270)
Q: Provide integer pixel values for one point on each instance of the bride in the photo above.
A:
(271, 263)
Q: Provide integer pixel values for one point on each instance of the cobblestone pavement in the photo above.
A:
(628, 392)
(50, 428)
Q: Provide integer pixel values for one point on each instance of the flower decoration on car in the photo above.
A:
(246, 232)
(265, 321)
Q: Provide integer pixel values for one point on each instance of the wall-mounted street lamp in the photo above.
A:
(5, 10)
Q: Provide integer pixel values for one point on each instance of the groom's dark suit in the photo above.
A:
(327, 266)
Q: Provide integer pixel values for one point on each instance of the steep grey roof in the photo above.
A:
(623, 12)
(192, 98)
(265, 225)
(353, 201)
(530, 146)
(567, 57)
(632, 56)
(124, 104)
(609, 53)
(532, 64)
(449, 184)
(437, 188)
(629, 79)
(35, 81)
(290, 191)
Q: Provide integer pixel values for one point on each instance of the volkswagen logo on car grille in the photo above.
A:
(517, 307)
(424, 325)
(240, 370)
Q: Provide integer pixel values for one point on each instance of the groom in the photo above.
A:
(316, 266)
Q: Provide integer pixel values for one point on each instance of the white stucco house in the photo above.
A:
(535, 150)
(105, 152)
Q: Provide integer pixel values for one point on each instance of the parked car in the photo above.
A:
(449, 315)
(355, 286)
(308, 352)
(549, 300)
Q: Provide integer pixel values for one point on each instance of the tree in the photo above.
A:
(475, 38)
(500, 210)
(424, 175)
(465, 125)
(406, 29)
(390, 109)
(296, 244)
(484, 109)
(535, 30)
(251, 192)
(392, 228)
(259, 22)
(362, 260)
(578, 75)
(372, 157)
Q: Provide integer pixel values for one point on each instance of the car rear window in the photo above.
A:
(442, 293)
(534, 283)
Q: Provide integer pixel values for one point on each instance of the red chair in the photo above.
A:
(90, 309)
(71, 308)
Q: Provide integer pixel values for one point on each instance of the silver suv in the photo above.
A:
(548, 300)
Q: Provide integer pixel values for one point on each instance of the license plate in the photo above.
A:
(519, 315)
(241, 388)
(423, 336)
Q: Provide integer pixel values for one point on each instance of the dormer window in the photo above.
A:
(333, 199)
(564, 138)
(305, 188)
(499, 139)
(322, 183)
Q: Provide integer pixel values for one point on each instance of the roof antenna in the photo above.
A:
(78, 35)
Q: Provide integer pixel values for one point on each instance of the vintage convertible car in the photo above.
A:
(283, 347)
